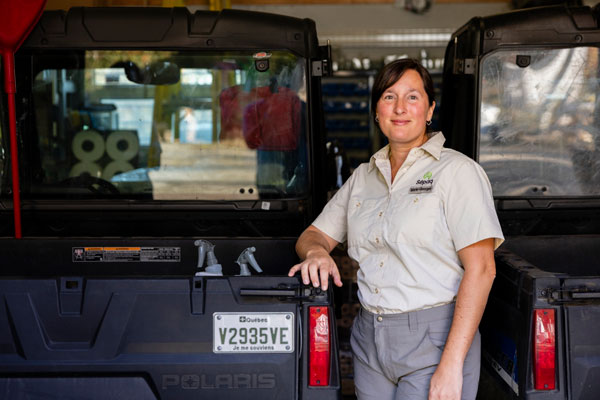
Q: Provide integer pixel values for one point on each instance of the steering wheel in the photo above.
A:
(93, 184)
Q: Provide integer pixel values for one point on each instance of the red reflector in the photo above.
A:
(319, 346)
(544, 349)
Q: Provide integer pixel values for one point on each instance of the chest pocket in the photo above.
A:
(413, 219)
(361, 217)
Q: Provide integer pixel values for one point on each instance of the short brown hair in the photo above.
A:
(391, 73)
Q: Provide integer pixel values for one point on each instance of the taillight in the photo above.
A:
(544, 349)
(319, 346)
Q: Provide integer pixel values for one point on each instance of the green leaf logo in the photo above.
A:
(427, 175)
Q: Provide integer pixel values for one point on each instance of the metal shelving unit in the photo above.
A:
(346, 103)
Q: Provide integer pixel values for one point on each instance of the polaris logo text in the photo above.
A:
(220, 381)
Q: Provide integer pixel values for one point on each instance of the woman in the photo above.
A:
(420, 220)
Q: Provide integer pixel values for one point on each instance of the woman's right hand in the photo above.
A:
(314, 247)
(317, 268)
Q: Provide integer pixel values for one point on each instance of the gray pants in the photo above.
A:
(396, 355)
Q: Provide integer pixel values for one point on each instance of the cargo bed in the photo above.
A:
(149, 338)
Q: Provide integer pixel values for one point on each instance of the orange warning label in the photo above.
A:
(126, 254)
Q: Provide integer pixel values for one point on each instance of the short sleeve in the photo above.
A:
(333, 220)
(469, 206)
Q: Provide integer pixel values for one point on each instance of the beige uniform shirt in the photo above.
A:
(405, 236)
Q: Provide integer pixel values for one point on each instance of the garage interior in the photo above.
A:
(364, 35)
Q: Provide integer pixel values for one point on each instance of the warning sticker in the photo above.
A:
(126, 254)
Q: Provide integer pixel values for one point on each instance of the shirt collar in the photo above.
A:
(433, 146)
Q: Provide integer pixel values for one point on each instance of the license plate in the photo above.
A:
(253, 332)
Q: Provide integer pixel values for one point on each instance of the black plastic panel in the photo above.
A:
(136, 339)
(173, 28)
(43, 257)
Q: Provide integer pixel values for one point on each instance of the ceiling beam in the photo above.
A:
(65, 4)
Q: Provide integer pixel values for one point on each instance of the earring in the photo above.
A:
(428, 122)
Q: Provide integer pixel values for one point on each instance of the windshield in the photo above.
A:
(166, 125)
(539, 125)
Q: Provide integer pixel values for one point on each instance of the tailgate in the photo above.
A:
(582, 324)
(149, 339)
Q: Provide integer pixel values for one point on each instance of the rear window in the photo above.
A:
(165, 125)
(539, 122)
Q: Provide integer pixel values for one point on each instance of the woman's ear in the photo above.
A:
(430, 111)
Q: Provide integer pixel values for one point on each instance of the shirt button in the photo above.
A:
(377, 240)
(380, 213)
(376, 290)
(358, 204)
(380, 318)
(381, 264)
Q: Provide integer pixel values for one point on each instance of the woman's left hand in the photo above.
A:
(480, 270)
(446, 383)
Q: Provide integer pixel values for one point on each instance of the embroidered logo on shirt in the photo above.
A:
(423, 185)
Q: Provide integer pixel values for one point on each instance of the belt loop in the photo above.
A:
(413, 322)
